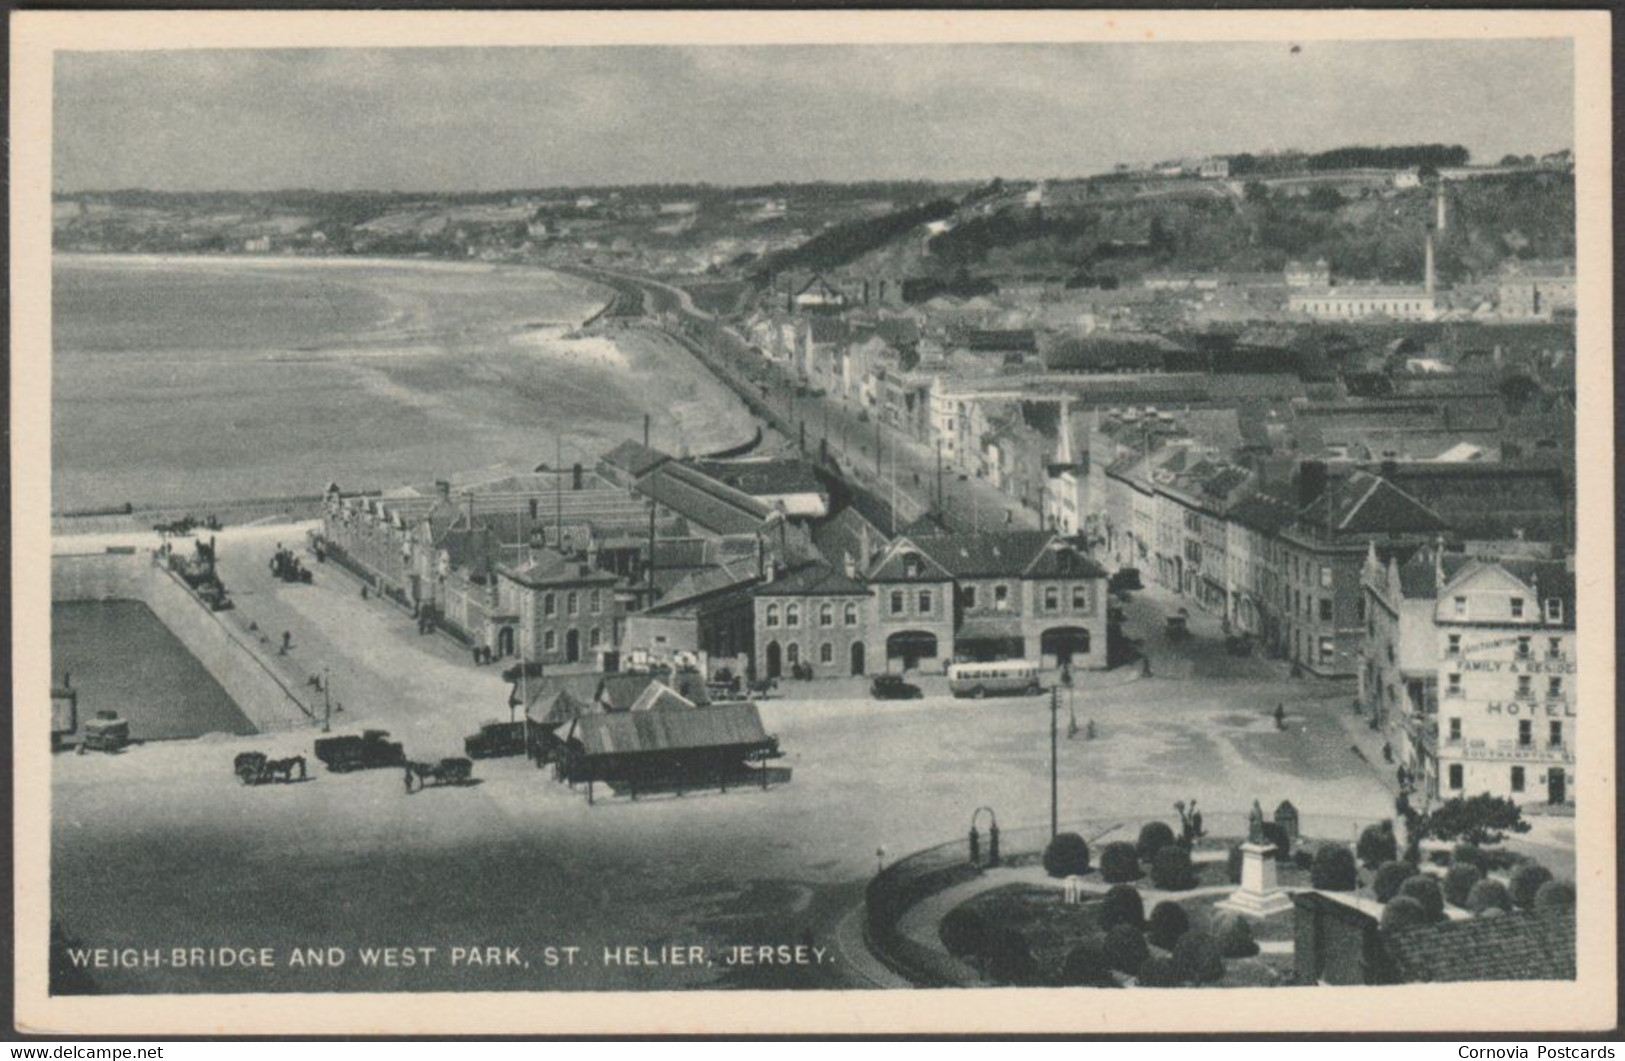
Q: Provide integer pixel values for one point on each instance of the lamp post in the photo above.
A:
(327, 702)
(1054, 762)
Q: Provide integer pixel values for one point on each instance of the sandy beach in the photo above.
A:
(292, 372)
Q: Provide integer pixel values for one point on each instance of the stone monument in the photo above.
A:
(1259, 895)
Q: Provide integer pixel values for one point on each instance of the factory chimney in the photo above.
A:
(1441, 209)
(1427, 263)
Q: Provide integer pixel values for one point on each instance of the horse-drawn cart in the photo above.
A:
(451, 771)
(257, 768)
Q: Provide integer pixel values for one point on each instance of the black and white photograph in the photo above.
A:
(1035, 509)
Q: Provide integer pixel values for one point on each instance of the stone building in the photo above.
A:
(567, 609)
(816, 616)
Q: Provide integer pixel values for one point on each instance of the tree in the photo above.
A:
(1554, 896)
(1256, 193)
(1171, 869)
(1480, 819)
(1459, 883)
(1235, 935)
(1126, 950)
(1333, 869)
(1390, 875)
(1067, 855)
(1168, 922)
(1154, 836)
(1377, 845)
(1086, 965)
(1197, 959)
(1119, 863)
(963, 932)
(1009, 961)
(1122, 906)
(1527, 881)
(1403, 913)
(1489, 895)
(1425, 891)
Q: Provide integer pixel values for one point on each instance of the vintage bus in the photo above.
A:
(1011, 677)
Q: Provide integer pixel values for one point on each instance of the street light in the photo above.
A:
(1054, 762)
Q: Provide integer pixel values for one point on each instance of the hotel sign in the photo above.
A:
(1517, 666)
(1551, 709)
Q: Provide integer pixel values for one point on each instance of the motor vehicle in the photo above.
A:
(496, 740)
(369, 751)
(1125, 579)
(105, 733)
(893, 687)
(1013, 677)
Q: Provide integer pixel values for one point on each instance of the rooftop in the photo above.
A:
(1528, 945)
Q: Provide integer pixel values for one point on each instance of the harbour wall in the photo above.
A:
(245, 670)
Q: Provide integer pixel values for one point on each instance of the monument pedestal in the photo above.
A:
(1259, 895)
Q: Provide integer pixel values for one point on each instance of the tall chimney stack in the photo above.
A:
(1427, 266)
(1442, 209)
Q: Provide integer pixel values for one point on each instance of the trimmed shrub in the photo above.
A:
(1122, 906)
(1154, 836)
(1171, 869)
(1067, 855)
(1232, 865)
(1086, 965)
(1168, 922)
(1119, 863)
(1390, 875)
(1492, 911)
(1403, 913)
(1277, 837)
(1377, 845)
(1500, 859)
(1526, 882)
(1333, 869)
(1489, 895)
(1009, 961)
(1425, 890)
(1234, 934)
(1465, 854)
(963, 932)
(1126, 950)
(1303, 858)
(1459, 882)
(1158, 971)
(1555, 896)
(1196, 958)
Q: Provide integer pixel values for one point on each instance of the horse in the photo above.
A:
(446, 772)
(282, 769)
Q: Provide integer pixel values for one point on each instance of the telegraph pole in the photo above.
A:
(327, 702)
(1054, 763)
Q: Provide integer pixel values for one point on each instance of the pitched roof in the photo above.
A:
(634, 458)
(658, 696)
(764, 478)
(843, 535)
(632, 732)
(817, 579)
(704, 501)
(893, 565)
(1364, 503)
(999, 554)
(547, 567)
(1528, 945)
(1491, 501)
(1263, 511)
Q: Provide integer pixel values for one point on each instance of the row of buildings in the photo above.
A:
(647, 559)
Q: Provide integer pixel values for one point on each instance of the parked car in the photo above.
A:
(893, 687)
(105, 733)
(1127, 578)
(496, 740)
(372, 749)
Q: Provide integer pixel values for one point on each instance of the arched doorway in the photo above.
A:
(572, 646)
(908, 647)
(857, 657)
(1065, 643)
(505, 641)
(774, 664)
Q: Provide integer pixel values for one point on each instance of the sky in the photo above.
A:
(478, 119)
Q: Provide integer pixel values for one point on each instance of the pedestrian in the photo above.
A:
(1280, 716)
(408, 779)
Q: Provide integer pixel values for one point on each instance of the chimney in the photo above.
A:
(1311, 482)
(645, 430)
(1442, 208)
(1427, 262)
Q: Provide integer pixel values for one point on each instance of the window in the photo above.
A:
(897, 602)
(1517, 779)
(1554, 734)
(1453, 645)
(1517, 607)
(1526, 733)
(1360, 605)
(1001, 597)
(792, 653)
(826, 614)
(593, 602)
(826, 653)
(593, 636)
(851, 614)
(1455, 729)
(1328, 650)
(1325, 577)
(1554, 647)
(792, 615)
(772, 615)
(970, 596)
(550, 640)
(1554, 609)
(1455, 777)
(1325, 609)
(1390, 652)
(1080, 598)
(911, 565)
(925, 602)
(1523, 648)
(1554, 687)
(549, 605)
(1052, 598)
(1461, 607)
(1453, 685)
(1525, 687)
(571, 604)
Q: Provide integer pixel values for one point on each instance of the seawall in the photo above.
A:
(244, 670)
